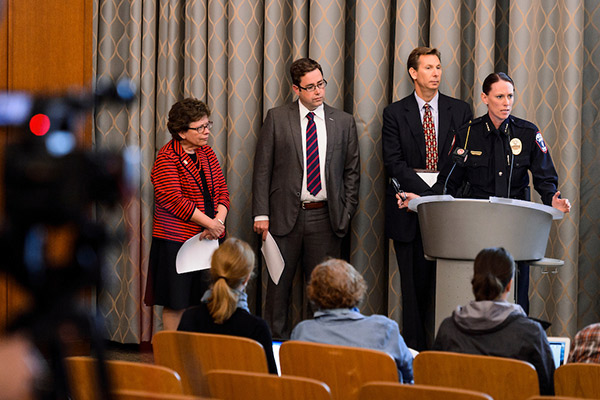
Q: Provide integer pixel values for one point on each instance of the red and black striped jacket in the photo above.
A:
(178, 190)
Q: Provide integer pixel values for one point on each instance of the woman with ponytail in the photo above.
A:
(492, 326)
(224, 307)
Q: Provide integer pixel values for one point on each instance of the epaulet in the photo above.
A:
(472, 122)
(522, 123)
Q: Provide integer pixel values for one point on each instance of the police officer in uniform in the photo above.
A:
(493, 154)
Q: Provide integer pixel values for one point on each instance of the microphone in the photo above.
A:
(459, 155)
(506, 133)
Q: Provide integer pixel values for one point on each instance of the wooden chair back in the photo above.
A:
(553, 398)
(193, 354)
(344, 369)
(84, 385)
(239, 385)
(502, 378)
(578, 380)
(147, 395)
(394, 391)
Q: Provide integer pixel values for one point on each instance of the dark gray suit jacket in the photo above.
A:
(404, 151)
(279, 165)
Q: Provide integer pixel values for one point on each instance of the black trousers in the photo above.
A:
(310, 242)
(417, 277)
(522, 289)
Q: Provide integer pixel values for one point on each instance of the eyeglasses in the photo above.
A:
(312, 88)
(202, 128)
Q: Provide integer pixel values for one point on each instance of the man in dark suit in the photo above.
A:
(305, 183)
(406, 123)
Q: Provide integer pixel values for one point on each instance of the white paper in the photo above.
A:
(430, 178)
(273, 258)
(195, 254)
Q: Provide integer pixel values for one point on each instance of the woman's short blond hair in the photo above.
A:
(336, 284)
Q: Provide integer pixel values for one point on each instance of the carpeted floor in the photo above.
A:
(129, 352)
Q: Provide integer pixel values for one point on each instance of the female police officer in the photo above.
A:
(493, 154)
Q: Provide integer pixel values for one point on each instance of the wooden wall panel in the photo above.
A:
(45, 47)
(3, 87)
(48, 44)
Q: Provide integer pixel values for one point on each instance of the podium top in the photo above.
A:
(459, 228)
(555, 213)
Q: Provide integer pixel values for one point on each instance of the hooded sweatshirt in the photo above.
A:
(501, 329)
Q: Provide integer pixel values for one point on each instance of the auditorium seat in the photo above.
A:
(394, 391)
(193, 354)
(344, 369)
(239, 385)
(149, 395)
(502, 378)
(83, 377)
(578, 380)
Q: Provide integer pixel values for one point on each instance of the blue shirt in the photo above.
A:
(348, 327)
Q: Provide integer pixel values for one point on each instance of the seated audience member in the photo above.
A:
(336, 289)
(492, 326)
(224, 308)
(586, 346)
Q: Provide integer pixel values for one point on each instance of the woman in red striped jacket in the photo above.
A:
(191, 197)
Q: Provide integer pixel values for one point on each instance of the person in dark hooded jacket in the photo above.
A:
(492, 326)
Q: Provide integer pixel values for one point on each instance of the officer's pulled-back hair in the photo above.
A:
(493, 78)
(493, 269)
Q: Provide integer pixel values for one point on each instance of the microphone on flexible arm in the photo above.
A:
(459, 155)
(512, 156)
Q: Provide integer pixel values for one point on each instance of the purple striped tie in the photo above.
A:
(313, 173)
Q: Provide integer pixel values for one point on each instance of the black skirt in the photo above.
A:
(165, 286)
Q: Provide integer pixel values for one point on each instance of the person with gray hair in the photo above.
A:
(492, 326)
(336, 289)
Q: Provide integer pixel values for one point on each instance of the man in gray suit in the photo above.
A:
(305, 183)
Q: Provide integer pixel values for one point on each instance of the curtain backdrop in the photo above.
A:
(235, 55)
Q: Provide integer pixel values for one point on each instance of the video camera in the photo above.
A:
(50, 187)
(49, 241)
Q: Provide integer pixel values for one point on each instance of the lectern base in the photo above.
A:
(453, 287)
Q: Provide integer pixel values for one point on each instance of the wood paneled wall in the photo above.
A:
(45, 48)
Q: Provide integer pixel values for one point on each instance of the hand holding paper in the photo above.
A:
(273, 258)
(195, 254)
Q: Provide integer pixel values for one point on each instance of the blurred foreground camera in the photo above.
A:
(50, 242)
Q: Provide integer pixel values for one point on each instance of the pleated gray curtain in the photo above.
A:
(235, 55)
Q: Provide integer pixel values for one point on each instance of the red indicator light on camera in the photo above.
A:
(39, 124)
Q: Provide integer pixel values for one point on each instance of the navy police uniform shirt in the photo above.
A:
(492, 160)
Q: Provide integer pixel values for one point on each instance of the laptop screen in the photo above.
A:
(560, 347)
(276, 346)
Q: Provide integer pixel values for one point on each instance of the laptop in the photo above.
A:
(560, 347)
(276, 346)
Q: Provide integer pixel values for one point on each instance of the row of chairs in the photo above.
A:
(344, 371)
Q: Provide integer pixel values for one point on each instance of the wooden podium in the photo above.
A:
(455, 230)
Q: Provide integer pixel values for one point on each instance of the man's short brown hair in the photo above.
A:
(301, 67)
(413, 57)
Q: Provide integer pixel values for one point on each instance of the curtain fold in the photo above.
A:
(235, 56)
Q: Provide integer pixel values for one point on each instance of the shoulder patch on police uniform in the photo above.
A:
(540, 142)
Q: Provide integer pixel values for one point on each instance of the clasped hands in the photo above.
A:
(213, 231)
